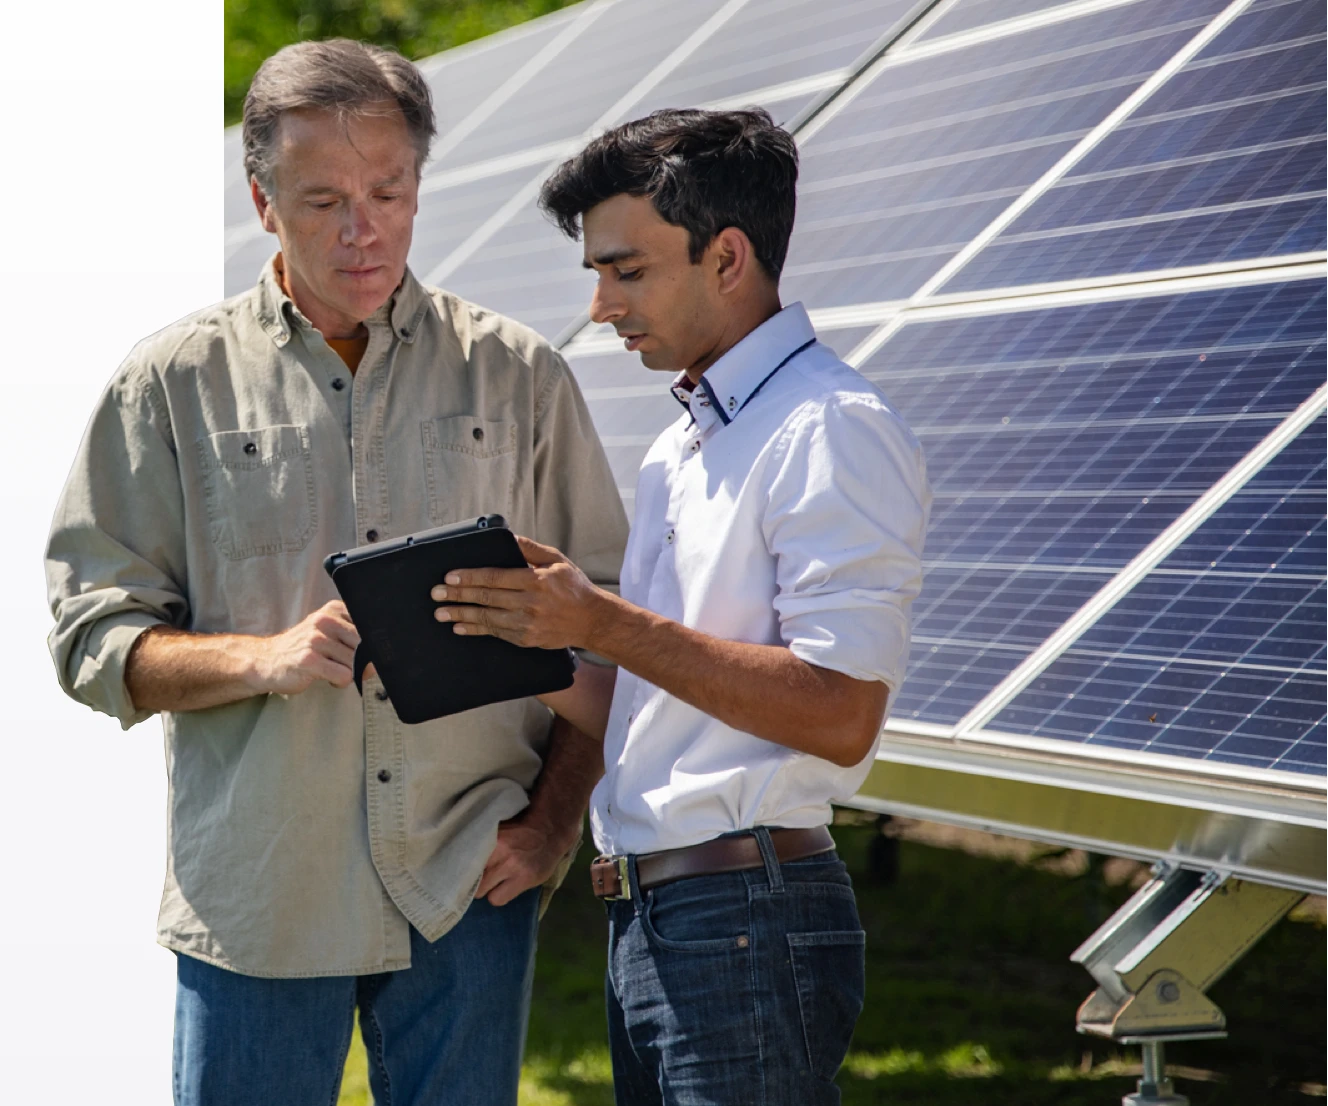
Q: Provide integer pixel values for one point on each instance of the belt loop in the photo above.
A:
(772, 873)
(633, 883)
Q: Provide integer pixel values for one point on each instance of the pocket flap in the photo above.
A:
(253, 448)
(469, 434)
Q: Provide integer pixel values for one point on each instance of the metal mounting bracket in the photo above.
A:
(1157, 955)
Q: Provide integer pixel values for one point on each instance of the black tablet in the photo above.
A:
(426, 669)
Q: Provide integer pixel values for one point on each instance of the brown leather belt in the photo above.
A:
(608, 874)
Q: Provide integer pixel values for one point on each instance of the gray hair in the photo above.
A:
(340, 75)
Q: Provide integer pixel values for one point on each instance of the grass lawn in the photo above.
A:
(970, 993)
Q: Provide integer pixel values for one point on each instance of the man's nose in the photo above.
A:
(605, 307)
(358, 229)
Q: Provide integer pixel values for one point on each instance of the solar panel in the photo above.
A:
(939, 142)
(1225, 162)
(1061, 442)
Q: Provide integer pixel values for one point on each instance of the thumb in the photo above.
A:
(536, 554)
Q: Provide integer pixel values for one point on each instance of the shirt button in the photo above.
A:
(384, 775)
(669, 537)
(696, 446)
(250, 448)
(338, 384)
(404, 332)
(371, 535)
(477, 434)
(380, 695)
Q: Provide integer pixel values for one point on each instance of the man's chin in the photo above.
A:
(658, 361)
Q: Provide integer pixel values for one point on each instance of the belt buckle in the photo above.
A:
(609, 879)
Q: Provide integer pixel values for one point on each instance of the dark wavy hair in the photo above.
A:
(703, 171)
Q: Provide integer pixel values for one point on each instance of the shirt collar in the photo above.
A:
(731, 381)
(277, 314)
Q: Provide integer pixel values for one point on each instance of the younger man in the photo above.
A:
(763, 623)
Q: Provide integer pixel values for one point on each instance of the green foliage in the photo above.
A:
(257, 29)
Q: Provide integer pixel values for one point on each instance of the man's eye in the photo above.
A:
(629, 274)
(388, 197)
(322, 205)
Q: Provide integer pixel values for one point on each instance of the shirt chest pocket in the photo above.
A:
(259, 488)
(470, 466)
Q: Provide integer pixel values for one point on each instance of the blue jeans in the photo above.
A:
(735, 990)
(448, 1029)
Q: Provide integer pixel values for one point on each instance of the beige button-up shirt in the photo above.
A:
(230, 454)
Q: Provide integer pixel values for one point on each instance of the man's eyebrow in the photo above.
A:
(612, 257)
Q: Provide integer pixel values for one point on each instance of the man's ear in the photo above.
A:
(263, 206)
(734, 258)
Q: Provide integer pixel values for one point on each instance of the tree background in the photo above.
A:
(256, 29)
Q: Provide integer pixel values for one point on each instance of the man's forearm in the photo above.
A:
(586, 703)
(173, 670)
(760, 689)
(573, 764)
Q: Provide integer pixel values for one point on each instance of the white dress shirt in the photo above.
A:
(786, 506)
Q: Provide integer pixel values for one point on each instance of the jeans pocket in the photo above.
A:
(829, 971)
(678, 921)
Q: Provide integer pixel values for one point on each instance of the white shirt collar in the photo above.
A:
(732, 380)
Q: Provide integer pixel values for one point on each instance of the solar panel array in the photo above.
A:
(1079, 245)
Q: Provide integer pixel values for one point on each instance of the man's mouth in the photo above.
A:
(359, 272)
(632, 341)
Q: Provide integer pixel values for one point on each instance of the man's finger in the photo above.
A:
(480, 597)
(336, 651)
(493, 618)
(338, 675)
(508, 578)
(537, 554)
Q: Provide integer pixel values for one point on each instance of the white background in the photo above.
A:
(111, 204)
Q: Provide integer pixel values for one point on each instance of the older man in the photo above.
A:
(323, 856)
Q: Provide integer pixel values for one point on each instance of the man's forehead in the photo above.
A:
(624, 226)
(316, 133)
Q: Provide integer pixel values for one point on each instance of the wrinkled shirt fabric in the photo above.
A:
(786, 506)
(230, 454)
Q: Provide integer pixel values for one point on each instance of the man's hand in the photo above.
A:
(321, 647)
(550, 605)
(525, 856)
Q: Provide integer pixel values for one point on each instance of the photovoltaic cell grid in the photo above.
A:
(1061, 442)
(968, 15)
(933, 149)
(1225, 162)
(1219, 653)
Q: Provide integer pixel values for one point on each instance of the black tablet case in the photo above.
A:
(426, 669)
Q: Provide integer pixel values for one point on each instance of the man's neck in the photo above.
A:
(740, 324)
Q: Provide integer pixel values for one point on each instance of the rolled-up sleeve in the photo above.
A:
(115, 561)
(578, 506)
(846, 520)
